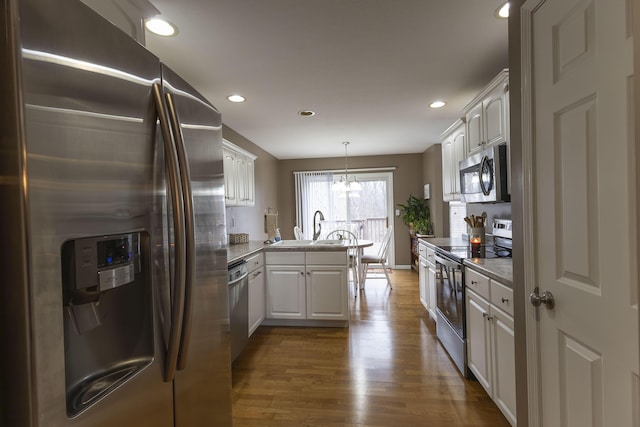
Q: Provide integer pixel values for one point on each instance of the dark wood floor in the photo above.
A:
(386, 369)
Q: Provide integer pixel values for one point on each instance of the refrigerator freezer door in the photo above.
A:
(203, 386)
(86, 157)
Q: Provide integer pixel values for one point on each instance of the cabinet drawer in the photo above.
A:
(431, 256)
(422, 250)
(327, 258)
(285, 258)
(477, 282)
(255, 261)
(502, 297)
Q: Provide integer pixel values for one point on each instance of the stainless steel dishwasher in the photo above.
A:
(238, 307)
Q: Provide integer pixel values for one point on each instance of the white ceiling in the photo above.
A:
(368, 68)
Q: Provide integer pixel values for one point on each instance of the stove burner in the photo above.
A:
(502, 253)
(463, 252)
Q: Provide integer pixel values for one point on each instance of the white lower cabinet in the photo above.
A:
(423, 274)
(479, 340)
(431, 288)
(327, 292)
(286, 292)
(504, 363)
(307, 285)
(257, 304)
(427, 278)
(490, 340)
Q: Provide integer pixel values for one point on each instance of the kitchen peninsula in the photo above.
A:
(306, 281)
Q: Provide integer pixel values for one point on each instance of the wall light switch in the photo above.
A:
(397, 212)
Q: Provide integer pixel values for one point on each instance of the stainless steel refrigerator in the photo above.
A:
(113, 287)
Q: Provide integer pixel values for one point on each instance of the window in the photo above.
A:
(365, 212)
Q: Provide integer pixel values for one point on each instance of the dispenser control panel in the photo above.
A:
(106, 262)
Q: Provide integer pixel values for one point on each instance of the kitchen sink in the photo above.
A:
(294, 243)
(328, 243)
(303, 243)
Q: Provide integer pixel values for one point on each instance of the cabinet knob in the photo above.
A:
(504, 300)
(473, 282)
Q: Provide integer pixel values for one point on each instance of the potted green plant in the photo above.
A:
(416, 215)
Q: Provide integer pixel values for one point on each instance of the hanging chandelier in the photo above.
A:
(346, 183)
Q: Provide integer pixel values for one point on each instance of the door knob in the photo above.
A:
(545, 298)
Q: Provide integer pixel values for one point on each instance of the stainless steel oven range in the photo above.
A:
(450, 296)
(450, 290)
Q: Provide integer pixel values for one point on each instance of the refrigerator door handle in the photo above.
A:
(187, 197)
(177, 309)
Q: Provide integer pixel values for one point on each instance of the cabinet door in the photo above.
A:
(249, 184)
(475, 141)
(327, 293)
(495, 116)
(257, 305)
(424, 277)
(431, 290)
(241, 178)
(457, 157)
(447, 172)
(478, 340)
(229, 164)
(286, 294)
(504, 369)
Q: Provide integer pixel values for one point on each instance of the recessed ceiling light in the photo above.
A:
(236, 98)
(503, 11)
(306, 113)
(161, 27)
(437, 104)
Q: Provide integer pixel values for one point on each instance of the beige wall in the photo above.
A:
(275, 189)
(246, 219)
(407, 179)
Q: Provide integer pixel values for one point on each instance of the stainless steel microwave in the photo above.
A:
(483, 176)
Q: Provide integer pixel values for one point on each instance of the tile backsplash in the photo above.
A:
(493, 210)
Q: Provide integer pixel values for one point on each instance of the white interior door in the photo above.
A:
(580, 203)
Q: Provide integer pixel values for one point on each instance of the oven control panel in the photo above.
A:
(502, 228)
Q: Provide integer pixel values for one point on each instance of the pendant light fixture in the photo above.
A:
(344, 183)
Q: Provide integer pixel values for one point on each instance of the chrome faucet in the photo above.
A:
(316, 233)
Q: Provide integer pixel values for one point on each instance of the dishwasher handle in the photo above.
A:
(448, 263)
(238, 279)
(237, 272)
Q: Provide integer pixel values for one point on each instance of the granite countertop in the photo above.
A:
(444, 241)
(499, 269)
(242, 250)
(307, 245)
(238, 251)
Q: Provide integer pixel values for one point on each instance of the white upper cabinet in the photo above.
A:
(239, 180)
(453, 149)
(487, 115)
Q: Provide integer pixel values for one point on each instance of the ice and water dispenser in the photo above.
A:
(108, 315)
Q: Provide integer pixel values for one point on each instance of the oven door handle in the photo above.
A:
(448, 263)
